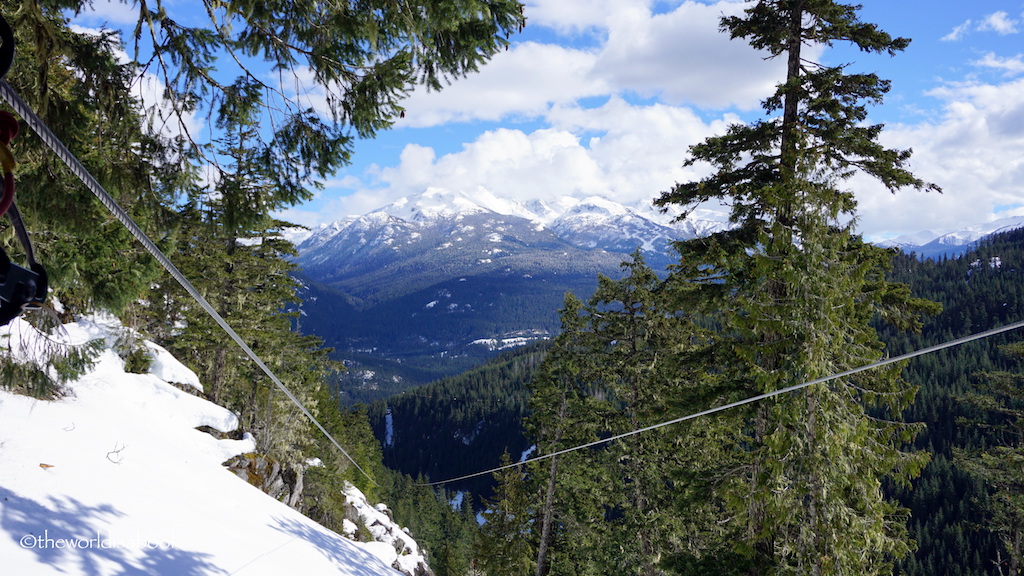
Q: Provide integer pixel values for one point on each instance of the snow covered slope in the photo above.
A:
(114, 479)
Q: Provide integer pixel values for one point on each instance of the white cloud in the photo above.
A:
(510, 163)
(679, 57)
(1009, 66)
(641, 149)
(958, 32)
(975, 152)
(682, 57)
(524, 81)
(112, 12)
(576, 16)
(1000, 23)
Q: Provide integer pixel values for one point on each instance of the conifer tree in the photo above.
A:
(618, 366)
(504, 545)
(564, 412)
(1000, 399)
(637, 340)
(791, 289)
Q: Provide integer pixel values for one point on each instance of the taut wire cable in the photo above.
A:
(751, 400)
(51, 140)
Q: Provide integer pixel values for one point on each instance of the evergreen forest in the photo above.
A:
(912, 468)
(950, 503)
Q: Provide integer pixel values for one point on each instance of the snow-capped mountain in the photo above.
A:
(438, 273)
(592, 223)
(950, 243)
(414, 241)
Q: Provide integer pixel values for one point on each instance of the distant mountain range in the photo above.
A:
(433, 284)
(484, 231)
(930, 244)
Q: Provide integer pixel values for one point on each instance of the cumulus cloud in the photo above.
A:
(682, 58)
(1000, 23)
(577, 16)
(678, 56)
(975, 152)
(523, 82)
(111, 12)
(1009, 66)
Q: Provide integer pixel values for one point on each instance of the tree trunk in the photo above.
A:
(549, 499)
(545, 526)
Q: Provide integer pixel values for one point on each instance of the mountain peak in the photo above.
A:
(433, 204)
(436, 203)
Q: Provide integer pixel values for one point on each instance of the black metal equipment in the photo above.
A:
(20, 288)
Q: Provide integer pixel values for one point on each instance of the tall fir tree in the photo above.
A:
(617, 366)
(791, 290)
(565, 411)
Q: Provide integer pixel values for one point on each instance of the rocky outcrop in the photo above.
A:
(283, 484)
(386, 539)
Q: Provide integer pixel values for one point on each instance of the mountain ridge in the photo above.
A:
(434, 283)
(929, 244)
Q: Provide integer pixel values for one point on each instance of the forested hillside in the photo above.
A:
(462, 424)
(914, 470)
(980, 290)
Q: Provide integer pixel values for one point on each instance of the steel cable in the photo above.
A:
(76, 167)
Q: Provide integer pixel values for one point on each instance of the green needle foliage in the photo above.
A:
(341, 68)
(791, 290)
(82, 89)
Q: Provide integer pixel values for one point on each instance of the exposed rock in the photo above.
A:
(278, 482)
(395, 545)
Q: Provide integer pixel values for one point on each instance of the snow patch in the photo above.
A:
(114, 479)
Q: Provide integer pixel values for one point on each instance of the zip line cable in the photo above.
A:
(751, 400)
(44, 132)
(40, 128)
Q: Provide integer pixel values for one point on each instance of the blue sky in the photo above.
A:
(605, 96)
